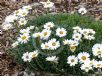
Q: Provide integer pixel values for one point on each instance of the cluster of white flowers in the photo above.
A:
(97, 50)
(84, 60)
(48, 4)
(28, 56)
(48, 43)
(18, 17)
(23, 37)
(78, 33)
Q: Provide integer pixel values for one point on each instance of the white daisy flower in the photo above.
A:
(23, 38)
(38, 34)
(86, 67)
(45, 34)
(72, 60)
(11, 18)
(61, 32)
(85, 31)
(53, 44)
(97, 49)
(92, 31)
(47, 4)
(26, 57)
(89, 37)
(83, 56)
(52, 59)
(77, 29)
(17, 12)
(23, 13)
(77, 36)
(66, 42)
(73, 43)
(7, 26)
(15, 44)
(82, 11)
(23, 31)
(34, 54)
(31, 27)
(72, 48)
(44, 45)
(22, 21)
(97, 64)
(49, 25)
(28, 7)
(90, 62)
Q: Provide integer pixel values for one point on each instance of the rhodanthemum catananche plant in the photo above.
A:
(62, 44)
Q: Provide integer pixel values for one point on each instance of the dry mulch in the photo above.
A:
(7, 66)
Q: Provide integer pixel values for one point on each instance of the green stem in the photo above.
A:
(38, 63)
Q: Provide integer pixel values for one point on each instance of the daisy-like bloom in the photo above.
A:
(23, 31)
(36, 35)
(11, 18)
(90, 62)
(34, 54)
(22, 21)
(15, 44)
(17, 12)
(7, 26)
(87, 32)
(82, 11)
(53, 44)
(89, 37)
(77, 36)
(47, 4)
(28, 7)
(44, 45)
(26, 57)
(49, 25)
(66, 42)
(86, 67)
(61, 32)
(23, 13)
(72, 48)
(31, 27)
(52, 59)
(45, 34)
(97, 49)
(23, 38)
(77, 29)
(83, 56)
(73, 43)
(97, 64)
(72, 60)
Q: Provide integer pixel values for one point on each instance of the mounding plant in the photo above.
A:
(64, 44)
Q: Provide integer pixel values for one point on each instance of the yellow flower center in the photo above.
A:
(17, 12)
(54, 44)
(24, 37)
(46, 46)
(83, 57)
(72, 48)
(86, 67)
(49, 25)
(85, 32)
(34, 55)
(72, 60)
(45, 33)
(61, 32)
(98, 65)
(24, 13)
(22, 21)
(77, 36)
